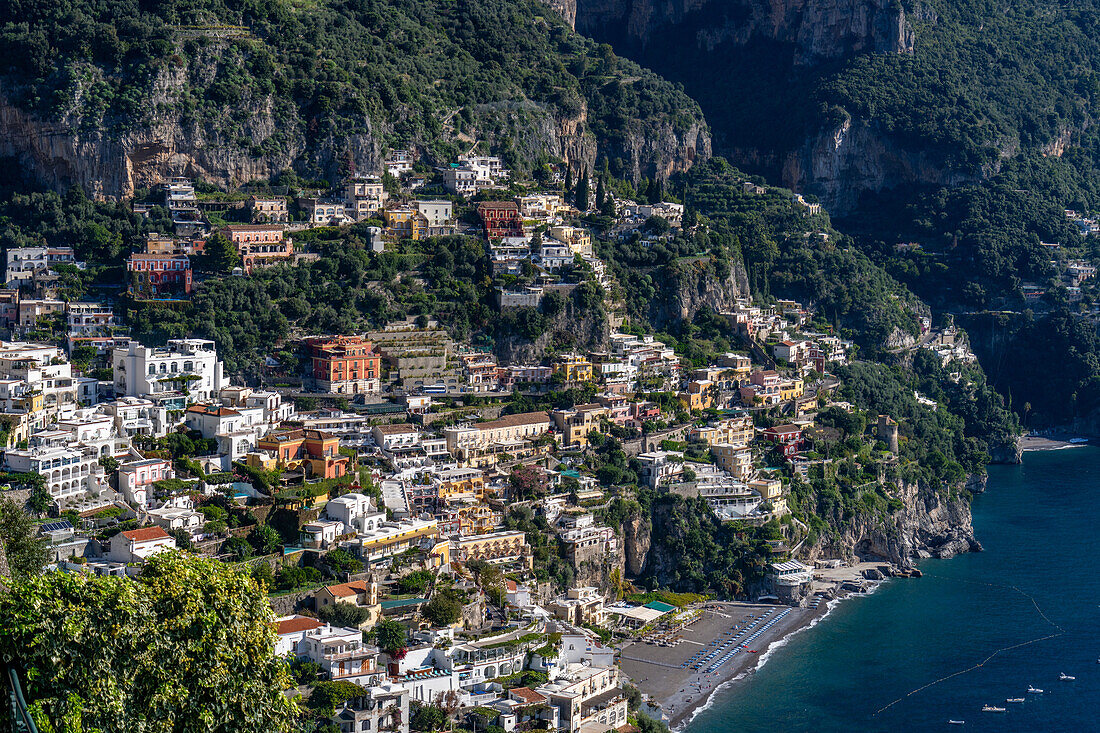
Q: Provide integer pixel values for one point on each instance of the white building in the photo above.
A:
(138, 545)
(440, 216)
(356, 512)
(186, 370)
(136, 478)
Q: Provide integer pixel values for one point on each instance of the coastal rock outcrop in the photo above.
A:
(931, 523)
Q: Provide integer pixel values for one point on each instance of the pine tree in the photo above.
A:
(581, 196)
(220, 254)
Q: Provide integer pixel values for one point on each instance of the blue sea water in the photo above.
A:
(1038, 524)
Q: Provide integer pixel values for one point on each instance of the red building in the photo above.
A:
(789, 438)
(159, 276)
(345, 364)
(501, 219)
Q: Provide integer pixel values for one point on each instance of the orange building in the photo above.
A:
(260, 244)
(345, 364)
(315, 453)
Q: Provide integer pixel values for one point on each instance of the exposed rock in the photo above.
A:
(818, 29)
(873, 574)
(1005, 451)
(636, 542)
(570, 328)
(697, 287)
(931, 523)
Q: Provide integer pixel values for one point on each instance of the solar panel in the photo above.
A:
(55, 526)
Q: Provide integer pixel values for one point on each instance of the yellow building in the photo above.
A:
(405, 222)
(573, 368)
(460, 484)
(790, 389)
(575, 423)
(357, 593)
(699, 395)
(495, 548)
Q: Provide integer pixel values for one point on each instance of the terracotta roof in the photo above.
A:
(344, 590)
(511, 585)
(783, 429)
(527, 695)
(298, 623)
(214, 410)
(146, 534)
(511, 421)
(395, 429)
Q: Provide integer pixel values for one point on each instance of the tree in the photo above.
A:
(110, 463)
(265, 539)
(346, 615)
(600, 193)
(40, 500)
(220, 254)
(443, 609)
(327, 694)
(527, 482)
(580, 197)
(392, 638)
(24, 547)
(187, 647)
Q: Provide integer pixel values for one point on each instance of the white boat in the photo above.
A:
(956, 722)
(1015, 699)
(1064, 676)
(1034, 690)
(992, 709)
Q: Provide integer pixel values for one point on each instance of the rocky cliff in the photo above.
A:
(931, 523)
(696, 284)
(779, 50)
(818, 29)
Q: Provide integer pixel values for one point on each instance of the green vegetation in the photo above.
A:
(424, 70)
(94, 648)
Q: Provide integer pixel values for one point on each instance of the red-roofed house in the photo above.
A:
(291, 630)
(501, 219)
(356, 593)
(138, 545)
(789, 437)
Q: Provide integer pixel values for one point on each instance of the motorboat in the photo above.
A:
(1064, 676)
(1015, 699)
(956, 722)
(1034, 690)
(992, 709)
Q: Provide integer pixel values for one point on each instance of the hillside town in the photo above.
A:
(421, 534)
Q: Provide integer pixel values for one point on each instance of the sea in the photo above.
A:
(976, 629)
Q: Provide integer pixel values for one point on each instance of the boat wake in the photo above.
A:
(922, 688)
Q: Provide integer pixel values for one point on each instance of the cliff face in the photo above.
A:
(819, 29)
(795, 41)
(694, 286)
(930, 524)
(570, 328)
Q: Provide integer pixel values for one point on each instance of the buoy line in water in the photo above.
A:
(982, 663)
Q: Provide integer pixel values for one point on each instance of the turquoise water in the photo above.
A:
(1038, 525)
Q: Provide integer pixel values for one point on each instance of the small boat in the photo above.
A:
(1034, 690)
(1015, 699)
(1078, 441)
(956, 722)
(1064, 676)
(992, 709)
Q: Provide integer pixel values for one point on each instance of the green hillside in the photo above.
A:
(434, 73)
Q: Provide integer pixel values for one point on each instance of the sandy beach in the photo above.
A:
(666, 673)
(1039, 442)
